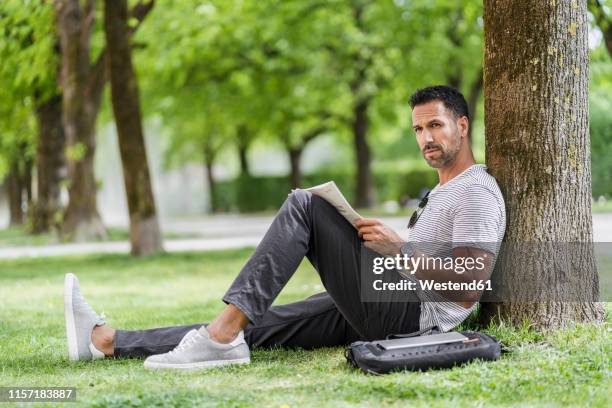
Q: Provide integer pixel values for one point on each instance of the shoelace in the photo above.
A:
(187, 341)
(101, 317)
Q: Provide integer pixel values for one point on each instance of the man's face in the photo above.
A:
(438, 133)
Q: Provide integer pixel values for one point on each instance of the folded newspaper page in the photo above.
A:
(330, 193)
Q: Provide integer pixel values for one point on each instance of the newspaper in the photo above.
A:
(330, 193)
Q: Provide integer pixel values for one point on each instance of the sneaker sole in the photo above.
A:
(200, 365)
(73, 348)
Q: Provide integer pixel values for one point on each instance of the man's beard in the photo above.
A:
(447, 154)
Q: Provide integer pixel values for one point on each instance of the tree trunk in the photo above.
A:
(244, 164)
(49, 164)
(536, 115)
(82, 92)
(212, 185)
(295, 175)
(145, 237)
(364, 189)
(27, 182)
(243, 146)
(15, 195)
(472, 101)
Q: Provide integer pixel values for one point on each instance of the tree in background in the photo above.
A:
(145, 237)
(197, 132)
(293, 65)
(244, 139)
(29, 54)
(369, 56)
(464, 65)
(50, 164)
(295, 146)
(536, 117)
(383, 50)
(600, 127)
(257, 62)
(82, 84)
(17, 143)
(603, 21)
(306, 98)
(600, 120)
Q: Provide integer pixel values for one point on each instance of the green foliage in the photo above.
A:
(601, 143)
(284, 69)
(27, 44)
(76, 152)
(27, 74)
(194, 77)
(253, 194)
(17, 133)
(226, 72)
(600, 120)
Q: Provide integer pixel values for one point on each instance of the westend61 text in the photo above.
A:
(429, 285)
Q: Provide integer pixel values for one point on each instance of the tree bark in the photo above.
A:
(455, 77)
(472, 101)
(364, 186)
(15, 195)
(537, 147)
(27, 182)
(244, 141)
(145, 237)
(209, 153)
(82, 92)
(295, 175)
(364, 189)
(212, 185)
(49, 164)
(244, 164)
(295, 150)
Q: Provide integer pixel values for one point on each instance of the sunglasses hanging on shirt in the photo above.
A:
(417, 213)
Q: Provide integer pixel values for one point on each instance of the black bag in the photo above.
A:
(371, 358)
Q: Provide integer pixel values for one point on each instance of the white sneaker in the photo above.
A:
(197, 351)
(80, 322)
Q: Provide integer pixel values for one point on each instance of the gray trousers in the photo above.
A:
(305, 226)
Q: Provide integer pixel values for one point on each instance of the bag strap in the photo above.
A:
(413, 334)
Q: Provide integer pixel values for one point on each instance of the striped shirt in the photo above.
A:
(468, 211)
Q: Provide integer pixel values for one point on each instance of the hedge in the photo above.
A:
(266, 193)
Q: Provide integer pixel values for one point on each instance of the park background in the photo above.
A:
(266, 100)
(235, 103)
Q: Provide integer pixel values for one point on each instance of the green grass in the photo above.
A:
(18, 236)
(565, 368)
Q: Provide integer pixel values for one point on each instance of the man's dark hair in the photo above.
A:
(452, 99)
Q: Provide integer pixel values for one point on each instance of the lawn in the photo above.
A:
(19, 236)
(569, 367)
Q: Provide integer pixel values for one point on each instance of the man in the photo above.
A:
(465, 209)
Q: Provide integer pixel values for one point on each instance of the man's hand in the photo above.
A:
(378, 236)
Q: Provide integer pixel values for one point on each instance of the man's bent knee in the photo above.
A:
(300, 196)
(315, 205)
